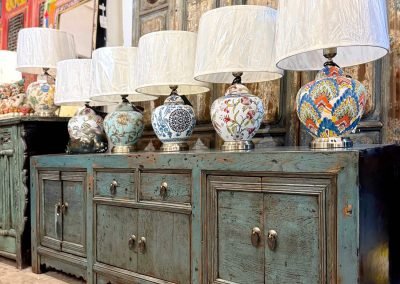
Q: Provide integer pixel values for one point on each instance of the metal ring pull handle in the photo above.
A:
(163, 189)
(272, 239)
(113, 187)
(255, 236)
(142, 244)
(57, 208)
(64, 207)
(132, 241)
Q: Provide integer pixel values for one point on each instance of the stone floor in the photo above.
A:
(10, 275)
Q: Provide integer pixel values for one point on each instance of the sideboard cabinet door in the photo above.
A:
(267, 230)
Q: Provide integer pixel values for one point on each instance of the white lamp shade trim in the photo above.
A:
(73, 82)
(166, 58)
(39, 48)
(237, 39)
(112, 71)
(358, 28)
(8, 63)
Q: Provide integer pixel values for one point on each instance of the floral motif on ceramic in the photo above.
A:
(41, 97)
(85, 124)
(124, 127)
(174, 121)
(13, 101)
(238, 115)
(331, 105)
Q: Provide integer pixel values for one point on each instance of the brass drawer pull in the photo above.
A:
(163, 189)
(113, 187)
(272, 239)
(142, 244)
(132, 241)
(255, 236)
(57, 208)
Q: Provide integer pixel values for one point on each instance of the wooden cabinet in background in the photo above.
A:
(21, 138)
(277, 215)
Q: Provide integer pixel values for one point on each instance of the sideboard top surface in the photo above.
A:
(22, 119)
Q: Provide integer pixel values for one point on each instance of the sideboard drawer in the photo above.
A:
(165, 186)
(6, 142)
(115, 184)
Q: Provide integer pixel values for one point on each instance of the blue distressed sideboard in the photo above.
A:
(278, 215)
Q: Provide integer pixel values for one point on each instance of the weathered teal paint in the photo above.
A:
(331, 175)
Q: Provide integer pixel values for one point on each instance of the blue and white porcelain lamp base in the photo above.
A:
(237, 116)
(124, 127)
(173, 122)
(331, 106)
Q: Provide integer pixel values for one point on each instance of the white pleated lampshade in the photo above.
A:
(237, 38)
(166, 58)
(39, 48)
(8, 63)
(113, 70)
(358, 28)
(73, 82)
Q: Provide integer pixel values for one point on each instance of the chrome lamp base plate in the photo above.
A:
(174, 147)
(331, 142)
(123, 149)
(237, 145)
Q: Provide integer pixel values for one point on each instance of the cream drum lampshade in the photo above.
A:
(38, 51)
(85, 128)
(329, 34)
(39, 48)
(236, 44)
(112, 71)
(8, 63)
(165, 67)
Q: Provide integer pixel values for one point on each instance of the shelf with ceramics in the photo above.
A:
(13, 100)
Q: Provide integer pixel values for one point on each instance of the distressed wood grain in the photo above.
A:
(125, 184)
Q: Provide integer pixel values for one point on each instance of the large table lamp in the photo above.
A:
(327, 34)
(236, 45)
(38, 51)
(113, 73)
(165, 68)
(85, 128)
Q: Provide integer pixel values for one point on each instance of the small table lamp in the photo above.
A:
(236, 44)
(165, 67)
(309, 35)
(113, 70)
(85, 128)
(38, 51)
(8, 63)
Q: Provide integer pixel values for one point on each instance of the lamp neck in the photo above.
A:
(330, 53)
(174, 89)
(238, 78)
(124, 98)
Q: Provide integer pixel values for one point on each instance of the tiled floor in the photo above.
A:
(10, 275)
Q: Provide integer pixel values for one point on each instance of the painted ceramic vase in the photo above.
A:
(86, 133)
(332, 104)
(173, 122)
(41, 98)
(238, 115)
(124, 127)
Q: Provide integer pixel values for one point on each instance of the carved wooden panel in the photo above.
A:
(153, 22)
(392, 72)
(146, 5)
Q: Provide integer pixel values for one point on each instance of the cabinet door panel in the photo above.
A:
(74, 213)
(114, 228)
(167, 252)
(297, 256)
(240, 261)
(50, 219)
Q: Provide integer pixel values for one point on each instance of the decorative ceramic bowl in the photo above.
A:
(238, 115)
(124, 127)
(332, 104)
(173, 122)
(41, 98)
(86, 133)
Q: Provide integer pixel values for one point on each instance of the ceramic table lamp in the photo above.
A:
(236, 45)
(327, 34)
(165, 67)
(38, 51)
(112, 71)
(85, 128)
